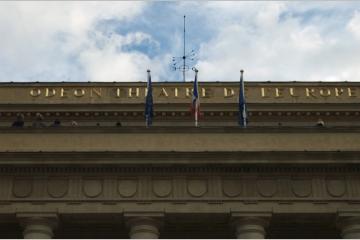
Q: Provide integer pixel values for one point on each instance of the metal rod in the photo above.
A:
(184, 53)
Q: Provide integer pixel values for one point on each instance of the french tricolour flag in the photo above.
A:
(195, 107)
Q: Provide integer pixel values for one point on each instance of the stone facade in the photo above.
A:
(282, 177)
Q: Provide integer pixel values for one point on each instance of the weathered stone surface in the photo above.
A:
(127, 187)
(92, 187)
(197, 187)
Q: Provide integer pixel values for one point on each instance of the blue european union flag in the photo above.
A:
(149, 111)
(242, 103)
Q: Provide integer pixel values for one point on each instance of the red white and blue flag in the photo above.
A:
(195, 107)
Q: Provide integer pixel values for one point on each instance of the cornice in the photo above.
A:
(182, 129)
(212, 160)
(212, 83)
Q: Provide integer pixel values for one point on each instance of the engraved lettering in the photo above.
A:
(292, 92)
(338, 92)
(264, 92)
(134, 92)
(352, 92)
(325, 92)
(188, 92)
(118, 92)
(50, 92)
(64, 92)
(229, 92)
(35, 92)
(279, 92)
(310, 92)
(163, 93)
(94, 91)
(205, 92)
(80, 92)
(176, 92)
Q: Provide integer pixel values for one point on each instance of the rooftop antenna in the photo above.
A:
(180, 63)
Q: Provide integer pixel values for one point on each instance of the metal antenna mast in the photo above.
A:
(179, 63)
(184, 58)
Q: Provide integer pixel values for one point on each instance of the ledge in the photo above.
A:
(179, 139)
(180, 129)
(186, 159)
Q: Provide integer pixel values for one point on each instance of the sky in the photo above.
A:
(118, 41)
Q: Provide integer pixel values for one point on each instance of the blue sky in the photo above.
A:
(118, 41)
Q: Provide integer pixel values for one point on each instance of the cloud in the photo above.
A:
(276, 42)
(105, 60)
(354, 25)
(44, 41)
(118, 41)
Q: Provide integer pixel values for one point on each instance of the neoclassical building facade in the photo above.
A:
(100, 173)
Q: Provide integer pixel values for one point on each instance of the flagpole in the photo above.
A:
(197, 100)
(242, 102)
(196, 116)
(149, 102)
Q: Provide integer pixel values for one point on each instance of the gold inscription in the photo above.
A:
(188, 92)
(94, 91)
(50, 92)
(229, 92)
(163, 93)
(325, 92)
(63, 92)
(79, 92)
(205, 92)
(316, 92)
(292, 92)
(279, 92)
(264, 92)
(352, 92)
(35, 92)
(310, 92)
(338, 92)
(176, 92)
(118, 92)
(134, 92)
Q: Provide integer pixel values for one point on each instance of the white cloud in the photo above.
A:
(272, 48)
(38, 39)
(354, 24)
(107, 63)
(278, 41)
(307, 38)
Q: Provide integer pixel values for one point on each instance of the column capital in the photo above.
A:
(144, 225)
(49, 218)
(250, 225)
(261, 218)
(131, 214)
(38, 225)
(251, 214)
(349, 224)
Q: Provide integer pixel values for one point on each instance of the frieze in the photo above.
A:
(57, 187)
(226, 92)
(197, 187)
(232, 187)
(241, 188)
(92, 188)
(301, 187)
(336, 187)
(162, 188)
(127, 188)
(22, 187)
